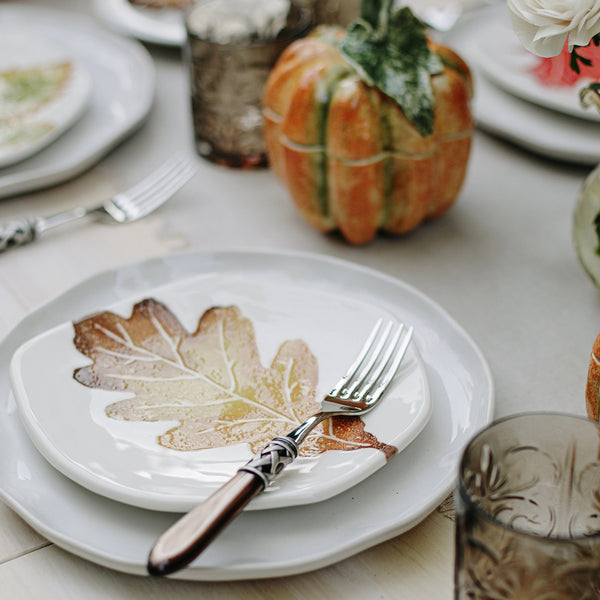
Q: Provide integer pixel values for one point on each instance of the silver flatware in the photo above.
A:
(356, 393)
(125, 207)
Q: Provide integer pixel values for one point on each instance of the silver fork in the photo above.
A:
(126, 207)
(356, 393)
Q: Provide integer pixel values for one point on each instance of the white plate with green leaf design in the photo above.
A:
(122, 92)
(157, 401)
(44, 90)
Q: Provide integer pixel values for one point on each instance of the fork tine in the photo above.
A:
(368, 364)
(379, 360)
(358, 360)
(147, 187)
(166, 188)
(147, 199)
(168, 176)
(387, 370)
(149, 182)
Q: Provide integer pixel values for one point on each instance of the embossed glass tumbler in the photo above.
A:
(231, 47)
(528, 511)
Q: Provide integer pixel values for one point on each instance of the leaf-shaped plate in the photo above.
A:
(44, 90)
(161, 398)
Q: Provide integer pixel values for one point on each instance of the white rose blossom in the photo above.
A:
(543, 26)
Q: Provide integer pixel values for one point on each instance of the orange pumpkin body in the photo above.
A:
(349, 157)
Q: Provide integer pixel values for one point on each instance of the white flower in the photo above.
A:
(543, 26)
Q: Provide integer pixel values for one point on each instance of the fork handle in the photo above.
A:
(191, 534)
(17, 233)
(22, 231)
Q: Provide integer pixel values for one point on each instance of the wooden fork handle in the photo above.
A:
(16, 233)
(190, 535)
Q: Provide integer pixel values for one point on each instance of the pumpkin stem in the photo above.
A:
(388, 49)
(376, 13)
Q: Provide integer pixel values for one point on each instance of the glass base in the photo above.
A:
(234, 161)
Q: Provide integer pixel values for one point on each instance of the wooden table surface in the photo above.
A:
(501, 262)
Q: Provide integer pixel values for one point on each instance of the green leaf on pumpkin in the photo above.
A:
(389, 50)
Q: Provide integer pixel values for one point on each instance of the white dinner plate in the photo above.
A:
(122, 74)
(43, 91)
(268, 543)
(504, 60)
(154, 464)
(540, 130)
(154, 25)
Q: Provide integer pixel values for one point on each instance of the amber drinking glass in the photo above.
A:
(528, 511)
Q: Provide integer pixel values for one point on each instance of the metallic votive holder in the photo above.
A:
(227, 82)
(336, 12)
(528, 511)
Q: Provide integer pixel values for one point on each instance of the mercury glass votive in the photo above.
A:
(336, 12)
(528, 511)
(232, 45)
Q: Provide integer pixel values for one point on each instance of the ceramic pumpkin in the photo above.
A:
(347, 152)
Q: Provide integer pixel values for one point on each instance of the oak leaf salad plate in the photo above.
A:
(44, 90)
(156, 401)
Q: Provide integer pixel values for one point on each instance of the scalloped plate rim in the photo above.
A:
(261, 543)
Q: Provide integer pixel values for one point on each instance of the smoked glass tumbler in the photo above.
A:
(528, 511)
(229, 64)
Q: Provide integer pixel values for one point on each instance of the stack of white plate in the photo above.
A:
(69, 92)
(512, 103)
(105, 488)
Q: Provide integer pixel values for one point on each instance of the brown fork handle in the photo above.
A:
(189, 536)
